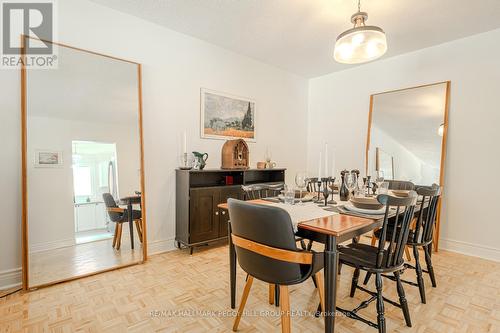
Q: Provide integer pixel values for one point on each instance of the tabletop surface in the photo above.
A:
(335, 225)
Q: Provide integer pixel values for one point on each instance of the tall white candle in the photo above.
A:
(319, 169)
(326, 159)
(184, 142)
(333, 163)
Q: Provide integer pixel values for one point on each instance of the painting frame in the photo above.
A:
(47, 158)
(203, 115)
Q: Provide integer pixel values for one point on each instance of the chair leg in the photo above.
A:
(430, 269)
(380, 304)
(313, 277)
(367, 278)
(321, 290)
(271, 293)
(114, 236)
(244, 297)
(402, 299)
(285, 309)
(119, 236)
(374, 239)
(420, 279)
(139, 229)
(354, 282)
(276, 295)
(408, 254)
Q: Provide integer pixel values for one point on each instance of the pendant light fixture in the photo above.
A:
(362, 43)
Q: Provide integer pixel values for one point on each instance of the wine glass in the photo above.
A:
(379, 178)
(351, 180)
(301, 182)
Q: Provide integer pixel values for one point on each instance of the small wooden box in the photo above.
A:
(235, 154)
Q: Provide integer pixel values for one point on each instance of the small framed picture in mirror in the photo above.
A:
(48, 159)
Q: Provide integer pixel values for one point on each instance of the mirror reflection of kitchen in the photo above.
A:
(82, 128)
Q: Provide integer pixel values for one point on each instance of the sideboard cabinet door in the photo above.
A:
(204, 217)
(234, 192)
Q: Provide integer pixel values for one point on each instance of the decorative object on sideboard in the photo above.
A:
(225, 116)
(261, 165)
(186, 160)
(235, 154)
(200, 160)
(362, 43)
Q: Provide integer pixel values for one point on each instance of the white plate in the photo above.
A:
(350, 206)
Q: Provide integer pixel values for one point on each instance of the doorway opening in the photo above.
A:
(94, 173)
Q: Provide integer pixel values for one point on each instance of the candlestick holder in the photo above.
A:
(331, 181)
(326, 192)
(318, 199)
(186, 162)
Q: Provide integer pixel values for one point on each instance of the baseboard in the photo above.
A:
(52, 245)
(470, 249)
(160, 246)
(10, 278)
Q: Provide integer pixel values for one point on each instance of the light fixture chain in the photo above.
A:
(359, 6)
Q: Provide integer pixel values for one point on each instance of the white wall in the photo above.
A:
(50, 190)
(175, 67)
(338, 113)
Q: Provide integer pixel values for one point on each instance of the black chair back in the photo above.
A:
(312, 185)
(397, 236)
(110, 202)
(259, 191)
(270, 226)
(426, 217)
(401, 185)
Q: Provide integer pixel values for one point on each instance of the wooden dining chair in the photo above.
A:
(420, 236)
(119, 216)
(386, 258)
(265, 247)
(397, 185)
(259, 191)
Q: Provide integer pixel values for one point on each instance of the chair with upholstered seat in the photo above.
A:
(265, 246)
(386, 258)
(119, 216)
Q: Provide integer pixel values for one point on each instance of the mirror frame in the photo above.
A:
(24, 158)
(443, 145)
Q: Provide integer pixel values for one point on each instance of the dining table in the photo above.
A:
(331, 226)
(130, 201)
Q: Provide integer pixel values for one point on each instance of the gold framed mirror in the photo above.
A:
(407, 132)
(84, 207)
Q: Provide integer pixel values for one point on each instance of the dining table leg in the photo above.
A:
(130, 223)
(331, 257)
(232, 267)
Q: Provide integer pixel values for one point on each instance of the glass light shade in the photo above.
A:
(360, 44)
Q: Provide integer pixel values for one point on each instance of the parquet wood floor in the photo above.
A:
(139, 298)
(80, 259)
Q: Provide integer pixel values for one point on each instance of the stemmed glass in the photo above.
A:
(379, 179)
(301, 182)
(351, 180)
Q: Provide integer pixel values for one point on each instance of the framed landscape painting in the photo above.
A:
(225, 116)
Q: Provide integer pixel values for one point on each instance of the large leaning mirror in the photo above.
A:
(83, 186)
(407, 134)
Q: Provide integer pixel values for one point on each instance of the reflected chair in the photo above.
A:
(119, 216)
(386, 258)
(420, 236)
(265, 247)
(259, 191)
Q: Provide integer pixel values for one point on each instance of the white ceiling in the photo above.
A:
(299, 35)
(85, 87)
(412, 118)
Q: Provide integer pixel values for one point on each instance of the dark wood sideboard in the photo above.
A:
(198, 220)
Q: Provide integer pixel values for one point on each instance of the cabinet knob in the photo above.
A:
(223, 212)
(216, 212)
